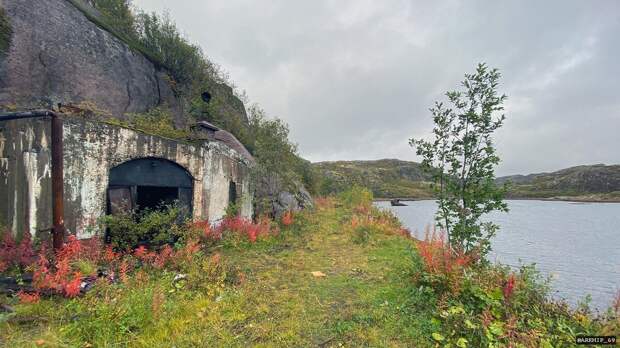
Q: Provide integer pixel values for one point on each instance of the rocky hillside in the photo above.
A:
(386, 178)
(66, 51)
(587, 180)
(394, 178)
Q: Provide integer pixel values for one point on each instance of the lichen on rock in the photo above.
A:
(6, 32)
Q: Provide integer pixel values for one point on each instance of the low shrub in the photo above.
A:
(288, 218)
(443, 265)
(483, 305)
(157, 121)
(15, 256)
(358, 198)
(238, 227)
(154, 228)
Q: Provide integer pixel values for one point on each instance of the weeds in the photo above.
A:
(240, 282)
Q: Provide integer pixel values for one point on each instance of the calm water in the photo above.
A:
(577, 244)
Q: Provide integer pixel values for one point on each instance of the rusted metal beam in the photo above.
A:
(58, 229)
(58, 232)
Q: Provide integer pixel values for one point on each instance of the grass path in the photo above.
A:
(361, 301)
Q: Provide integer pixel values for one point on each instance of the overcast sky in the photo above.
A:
(354, 79)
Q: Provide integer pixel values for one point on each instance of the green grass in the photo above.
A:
(364, 299)
(372, 292)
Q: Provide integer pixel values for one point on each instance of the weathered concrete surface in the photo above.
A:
(91, 149)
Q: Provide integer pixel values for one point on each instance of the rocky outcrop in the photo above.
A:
(272, 198)
(55, 53)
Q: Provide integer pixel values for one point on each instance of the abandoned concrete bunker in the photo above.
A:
(110, 170)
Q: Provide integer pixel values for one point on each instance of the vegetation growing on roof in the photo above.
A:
(6, 32)
(158, 121)
(157, 37)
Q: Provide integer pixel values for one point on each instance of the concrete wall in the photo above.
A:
(90, 150)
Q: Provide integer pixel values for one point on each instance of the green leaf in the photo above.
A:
(456, 310)
(462, 342)
(545, 344)
(470, 325)
(437, 336)
(496, 294)
(497, 328)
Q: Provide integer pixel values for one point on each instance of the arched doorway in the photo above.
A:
(149, 183)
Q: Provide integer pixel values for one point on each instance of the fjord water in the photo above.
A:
(576, 244)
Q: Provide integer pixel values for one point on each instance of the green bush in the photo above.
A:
(357, 196)
(5, 32)
(118, 14)
(232, 210)
(494, 307)
(160, 37)
(149, 227)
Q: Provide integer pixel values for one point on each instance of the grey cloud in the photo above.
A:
(355, 79)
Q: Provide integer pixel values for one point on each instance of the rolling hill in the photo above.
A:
(390, 178)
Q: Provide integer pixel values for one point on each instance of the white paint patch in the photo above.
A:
(30, 167)
(2, 142)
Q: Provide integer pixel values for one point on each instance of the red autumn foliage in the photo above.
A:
(59, 276)
(439, 257)
(443, 265)
(28, 297)
(142, 253)
(72, 287)
(509, 287)
(109, 255)
(208, 233)
(159, 259)
(244, 228)
(15, 255)
(163, 257)
(287, 218)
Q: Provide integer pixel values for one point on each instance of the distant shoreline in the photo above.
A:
(576, 200)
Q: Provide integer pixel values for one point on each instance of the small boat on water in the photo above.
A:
(397, 203)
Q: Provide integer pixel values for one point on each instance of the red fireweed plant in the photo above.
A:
(238, 227)
(28, 297)
(442, 263)
(14, 255)
(287, 218)
(509, 287)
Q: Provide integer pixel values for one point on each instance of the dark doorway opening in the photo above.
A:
(149, 183)
(232, 193)
(156, 197)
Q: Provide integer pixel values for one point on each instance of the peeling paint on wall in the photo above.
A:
(91, 149)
